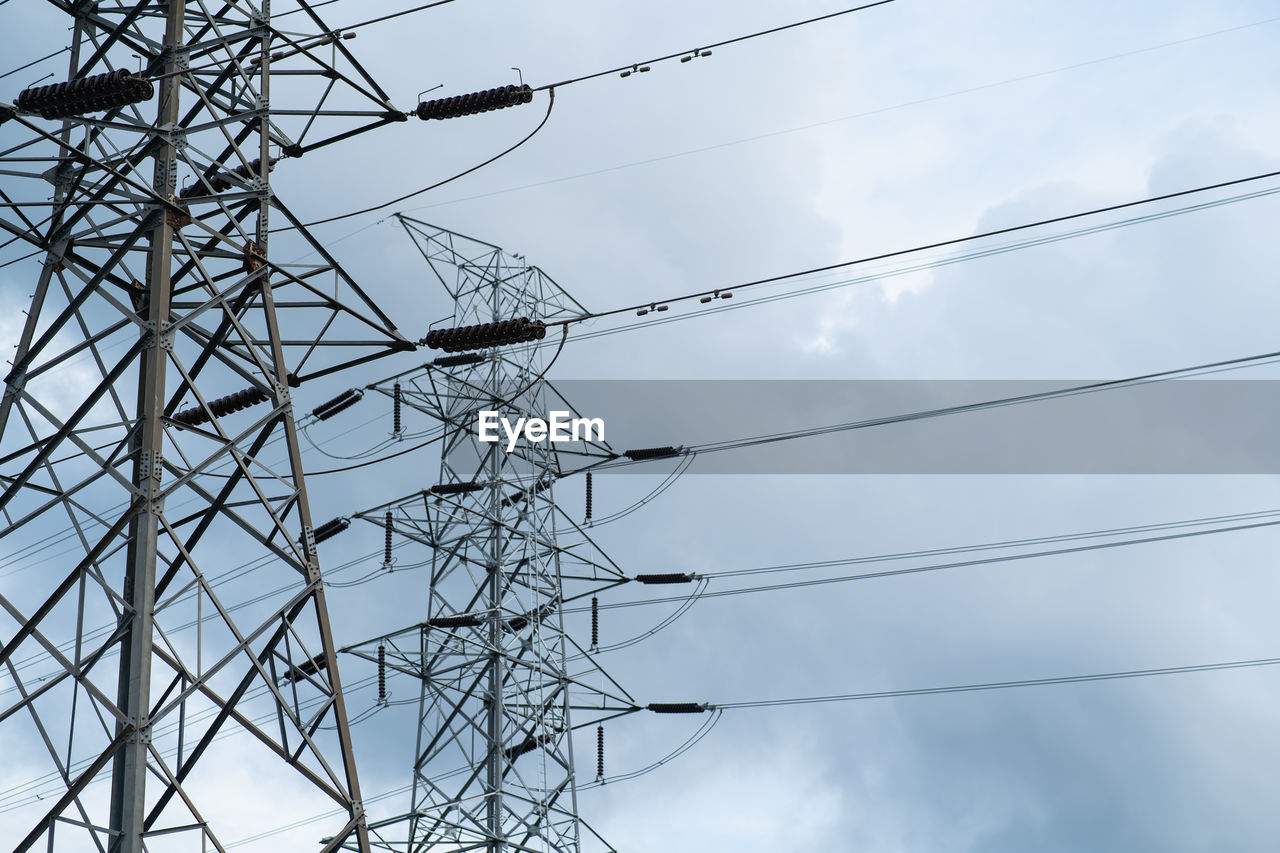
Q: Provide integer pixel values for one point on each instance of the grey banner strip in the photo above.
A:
(1185, 426)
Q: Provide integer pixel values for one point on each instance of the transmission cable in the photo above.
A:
(1002, 685)
(993, 546)
(1075, 390)
(33, 62)
(1222, 366)
(977, 254)
(935, 567)
(692, 741)
(866, 114)
(550, 89)
(954, 241)
(688, 453)
(313, 6)
(388, 17)
(695, 51)
(653, 494)
(551, 102)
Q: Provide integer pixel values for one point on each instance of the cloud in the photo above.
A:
(773, 794)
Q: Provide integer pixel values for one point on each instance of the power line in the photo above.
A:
(935, 567)
(866, 114)
(1003, 685)
(991, 546)
(963, 564)
(810, 432)
(1206, 368)
(931, 553)
(277, 16)
(551, 102)
(1072, 391)
(721, 306)
(388, 17)
(854, 697)
(33, 62)
(955, 241)
(551, 87)
(695, 50)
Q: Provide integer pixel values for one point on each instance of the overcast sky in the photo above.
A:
(903, 125)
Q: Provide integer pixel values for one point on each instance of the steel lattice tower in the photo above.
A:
(503, 684)
(159, 310)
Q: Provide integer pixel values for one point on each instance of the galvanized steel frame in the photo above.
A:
(503, 684)
(186, 285)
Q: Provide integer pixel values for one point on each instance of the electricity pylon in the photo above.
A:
(503, 683)
(160, 310)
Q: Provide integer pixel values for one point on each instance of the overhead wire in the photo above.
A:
(718, 708)
(1228, 364)
(866, 114)
(797, 275)
(997, 545)
(551, 101)
(316, 5)
(1206, 368)
(722, 43)
(1003, 685)
(939, 244)
(391, 15)
(667, 482)
(550, 89)
(277, 15)
(1253, 519)
(721, 306)
(34, 62)
(733, 444)
(850, 697)
(701, 732)
(1015, 400)
(933, 567)
(688, 601)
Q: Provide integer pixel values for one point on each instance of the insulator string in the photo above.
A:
(600, 754)
(595, 622)
(386, 545)
(395, 409)
(382, 674)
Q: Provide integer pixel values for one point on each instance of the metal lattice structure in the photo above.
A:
(503, 683)
(159, 310)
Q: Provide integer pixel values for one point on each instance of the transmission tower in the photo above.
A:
(159, 311)
(503, 683)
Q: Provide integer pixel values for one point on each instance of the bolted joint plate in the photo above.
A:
(152, 465)
(150, 474)
(309, 542)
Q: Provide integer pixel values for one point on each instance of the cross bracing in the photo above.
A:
(163, 342)
(503, 683)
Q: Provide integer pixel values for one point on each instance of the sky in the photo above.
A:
(904, 125)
